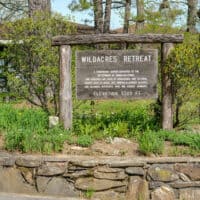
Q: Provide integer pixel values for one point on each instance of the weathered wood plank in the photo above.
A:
(116, 74)
(116, 38)
(65, 92)
(167, 113)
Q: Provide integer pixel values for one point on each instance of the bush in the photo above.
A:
(150, 142)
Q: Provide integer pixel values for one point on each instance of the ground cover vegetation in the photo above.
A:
(26, 129)
(31, 72)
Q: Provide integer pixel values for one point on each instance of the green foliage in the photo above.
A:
(89, 193)
(113, 119)
(33, 119)
(84, 140)
(27, 130)
(191, 140)
(32, 72)
(79, 5)
(184, 63)
(150, 142)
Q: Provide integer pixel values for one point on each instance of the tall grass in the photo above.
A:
(27, 130)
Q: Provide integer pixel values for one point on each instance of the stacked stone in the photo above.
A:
(102, 178)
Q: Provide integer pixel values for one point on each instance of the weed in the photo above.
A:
(27, 130)
(84, 140)
(150, 142)
(89, 193)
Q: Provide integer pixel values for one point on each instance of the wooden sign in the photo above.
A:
(116, 74)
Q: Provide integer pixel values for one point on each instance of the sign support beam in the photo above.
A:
(65, 92)
(167, 112)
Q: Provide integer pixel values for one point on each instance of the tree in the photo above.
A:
(140, 15)
(10, 9)
(33, 71)
(192, 15)
(101, 15)
(127, 14)
(98, 16)
(185, 67)
(39, 5)
(106, 27)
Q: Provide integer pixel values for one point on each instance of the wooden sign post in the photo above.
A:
(86, 83)
(65, 92)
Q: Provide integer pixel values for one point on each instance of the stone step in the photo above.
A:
(16, 196)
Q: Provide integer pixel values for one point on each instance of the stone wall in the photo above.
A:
(104, 178)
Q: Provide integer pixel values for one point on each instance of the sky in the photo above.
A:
(61, 6)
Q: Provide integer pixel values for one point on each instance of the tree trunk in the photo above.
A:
(127, 16)
(39, 5)
(106, 28)
(98, 16)
(140, 15)
(192, 16)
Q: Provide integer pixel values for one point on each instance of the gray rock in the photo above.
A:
(189, 194)
(7, 161)
(183, 177)
(28, 174)
(180, 184)
(137, 189)
(117, 140)
(28, 162)
(51, 169)
(42, 182)
(97, 184)
(110, 176)
(53, 121)
(78, 174)
(135, 171)
(55, 186)
(12, 181)
(163, 193)
(155, 184)
(164, 174)
(108, 195)
(122, 189)
(191, 170)
(60, 186)
(107, 169)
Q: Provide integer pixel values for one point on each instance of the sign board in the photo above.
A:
(116, 74)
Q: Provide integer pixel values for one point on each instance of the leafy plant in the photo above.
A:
(27, 130)
(150, 142)
(84, 140)
(32, 69)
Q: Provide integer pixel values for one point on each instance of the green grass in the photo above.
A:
(150, 142)
(153, 142)
(114, 119)
(191, 140)
(26, 129)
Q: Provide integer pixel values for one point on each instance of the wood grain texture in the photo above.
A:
(167, 112)
(116, 38)
(65, 92)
